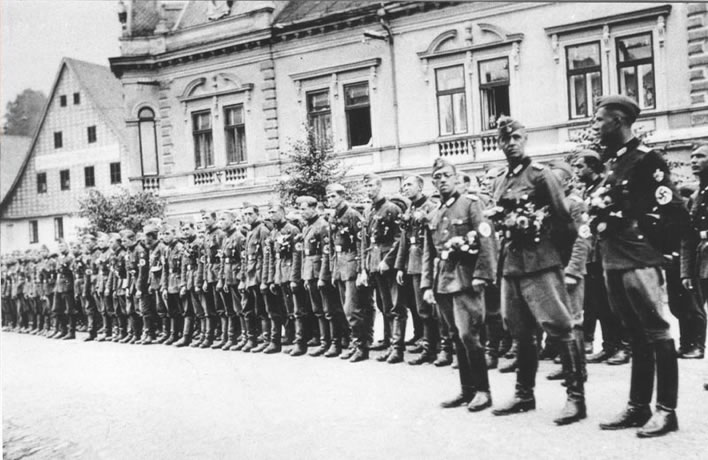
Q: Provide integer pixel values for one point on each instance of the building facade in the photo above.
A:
(79, 146)
(216, 92)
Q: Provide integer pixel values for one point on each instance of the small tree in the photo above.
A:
(314, 166)
(22, 115)
(123, 210)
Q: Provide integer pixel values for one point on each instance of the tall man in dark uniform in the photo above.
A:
(188, 282)
(231, 248)
(378, 255)
(64, 293)
(639, 204)
(212, 301)
(170, 282)
(143, 298)
(534, 255)
(458, 261)
(409, 262)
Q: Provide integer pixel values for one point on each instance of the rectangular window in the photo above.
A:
(494, 91)
(203, 147)
(319, 117)
(42, 183)
(452, 100)
(64, 179)
(235, 133)
(115, 173)
(58, 140)
(62, 100)
(33, 231)
(58, 228)
(635, 68)
(358, 111)
(91, 132)
(77, 98)
(584, 78)
(89, 177)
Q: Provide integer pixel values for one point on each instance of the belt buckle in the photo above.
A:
(338, 248)
(704, 234)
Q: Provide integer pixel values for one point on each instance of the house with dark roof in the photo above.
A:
(216, 92)
(78, 146)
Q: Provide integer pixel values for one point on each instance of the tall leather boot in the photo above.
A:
(243, 337)
(202, 328)
(637, 413)
(166, 330)
(90, 328)
(571, 356)
(231, 339)
(335, 347)
(429, 343)
(265, 327)
(137, 329)
(148, 331)
(324, 327)
(186, 332)
(483, 397)
(276, 331)
(63, 327)
(300, 345)
(174, 332)
(523, 400)
(289, 337)
(71, 328)
(251, 342)
(210, 330)
(224, 320)
(107, 329)
(386, 342)
(664, 419)
(398, 335)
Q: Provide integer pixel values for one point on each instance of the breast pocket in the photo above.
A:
(461, 226)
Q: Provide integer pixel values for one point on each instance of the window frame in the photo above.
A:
(58, 140)
(198, 132)
(636, 64)
(349, 108)
(312, 115)
(68, 180)
(91, 134)
(482, 87)
(451, 93)
(112, 175)
(77, 98)
(43, 175)
(235, 128)
(153, 126)
(58, 228)
(584, 71)
(92, 175)
(63, 100)
(33, 231)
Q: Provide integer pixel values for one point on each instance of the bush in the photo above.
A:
(123, 210)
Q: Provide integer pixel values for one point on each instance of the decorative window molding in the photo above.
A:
(334, 70)
(598, 23)
(222, 84)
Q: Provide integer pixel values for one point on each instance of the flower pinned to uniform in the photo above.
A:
(658, 175)
(298, 246)
(459, 246)
(520, 221)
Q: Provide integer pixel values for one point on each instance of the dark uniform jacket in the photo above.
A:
(253, 270)
(171, 280)
(381, 230)
(411, 240)
(213, 241)
(583, 243)
(142, 276)
(694, 246)
(190, 265)
(157, 262)
(283, 240)
(79, 268)
(119, 272)
(529, 181)
(65, 277)
(590, 191)
(315, 250)
(645, 203)
(103, 278)
(344, 244)
(450, 273)
(231, 249)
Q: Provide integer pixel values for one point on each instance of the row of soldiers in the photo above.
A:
(525, 248)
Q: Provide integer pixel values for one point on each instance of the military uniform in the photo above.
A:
(170, 284)
(409, 260)
(143, 298)
(378, 244)
(118, 288)
(157, 269)
(189, 298)
(63, 306)
(230, 275)
(212, 300)
(253, 275)
(449, 271)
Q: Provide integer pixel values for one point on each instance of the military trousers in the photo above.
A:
(463, 312)
(357, 303)
(576, 294)
(596, 308)
(301, 303)
(234, 307)
(187, 302)
(390, 299)
(146, 305)
(63, 303)
(253, 304)
(209, 300)
(635, 295)
(274, 306)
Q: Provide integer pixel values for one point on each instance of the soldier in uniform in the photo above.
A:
(409, 263)
(356, 300)
(458, 261)
(252, 277)
(532, 286)
(87, 297)
(638, 188)
(143, 297)
(378, 255)
(229, 273)
(101, 272)
(171, 281)
(213, 305)
(118, 280)
(64, 306)
(188, 295)
(157, 262)
(694, 259)
(590, 171)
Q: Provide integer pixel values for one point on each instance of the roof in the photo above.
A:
(306, 10)
(13, 150)
(104, 91)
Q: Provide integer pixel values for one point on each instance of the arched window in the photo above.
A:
(148, 142)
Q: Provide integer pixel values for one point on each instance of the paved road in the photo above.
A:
(66, 399)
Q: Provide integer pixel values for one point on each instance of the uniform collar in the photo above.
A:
(342, 209)
(630, 145)
(451, 200)
(420, 201)
(377, 205)
(313, 220)
(515, 170)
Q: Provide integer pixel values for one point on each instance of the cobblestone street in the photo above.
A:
(103, 400)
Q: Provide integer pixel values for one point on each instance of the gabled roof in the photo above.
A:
(306, 10)
(13, 150)
(104, 91)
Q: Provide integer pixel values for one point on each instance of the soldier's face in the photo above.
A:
(514, 144)
(445, 180)
(276, 214)
(372, 189)
(410, 188)
(308, 212)
(187, 232)
(168, 236)
(225, 221)
(208, 220)
(334, 199)
(699, 160)
(605, 126)
(582, 170)
(63, 248)
(249, 215)
(115, 244)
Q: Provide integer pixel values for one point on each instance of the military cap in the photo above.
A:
(620, 102)
(335, 188)
(371, 177)
(507, 125)
(308, 200)
(150, 229)
(561, 166)
(441, 163)
(587, 153)
(114, 236)
(127, 235)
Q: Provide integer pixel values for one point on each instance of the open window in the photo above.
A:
(494, 91)
(148, 142)
(319, 116)
(635, 69)
(452, 100)
(584, 71)
(358, 112)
